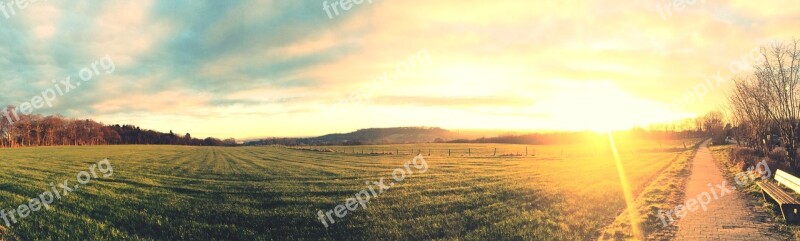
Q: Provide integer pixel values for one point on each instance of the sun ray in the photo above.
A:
(626, 189)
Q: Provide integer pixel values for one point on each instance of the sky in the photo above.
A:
(263, 68)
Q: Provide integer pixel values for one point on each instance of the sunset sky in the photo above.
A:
(260, 68)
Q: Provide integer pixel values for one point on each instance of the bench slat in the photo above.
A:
(784, 196)
(777, 193)
(788, 180)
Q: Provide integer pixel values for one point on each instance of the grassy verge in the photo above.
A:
(664, 193)
(751, 190)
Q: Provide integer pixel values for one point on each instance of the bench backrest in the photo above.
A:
(788, 180)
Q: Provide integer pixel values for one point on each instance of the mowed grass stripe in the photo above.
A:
(273, 193)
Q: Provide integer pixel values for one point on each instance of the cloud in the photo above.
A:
(453, 102)
(170, 101)
(284, 62)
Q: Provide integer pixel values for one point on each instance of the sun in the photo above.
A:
(602, 107)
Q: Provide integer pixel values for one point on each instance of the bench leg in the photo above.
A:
(767, 198)
(791, 213)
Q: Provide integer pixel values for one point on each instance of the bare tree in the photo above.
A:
(767, 102)
(713, 124)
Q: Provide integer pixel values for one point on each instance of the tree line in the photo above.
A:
(688, 128)
(21, 130)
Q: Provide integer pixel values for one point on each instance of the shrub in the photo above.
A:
(775, 165)
(744, 158)
(740, 156)
(779, 155)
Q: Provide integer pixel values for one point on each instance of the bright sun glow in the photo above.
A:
(602, 107)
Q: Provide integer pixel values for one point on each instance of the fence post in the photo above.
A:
(495, 152)
(526, 151)
(448, 152)
(469, 151)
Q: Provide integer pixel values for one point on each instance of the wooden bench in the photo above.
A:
(789, 205)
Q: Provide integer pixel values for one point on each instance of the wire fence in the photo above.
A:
(508, 150)
(465, 152)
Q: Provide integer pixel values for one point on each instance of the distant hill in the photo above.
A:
(410, 135)
(389, 136)
(371, 136)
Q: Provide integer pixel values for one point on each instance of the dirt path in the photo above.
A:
(727, 218)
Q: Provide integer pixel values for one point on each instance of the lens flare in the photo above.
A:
(626, 189)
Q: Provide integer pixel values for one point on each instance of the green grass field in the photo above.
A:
(567, 192)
